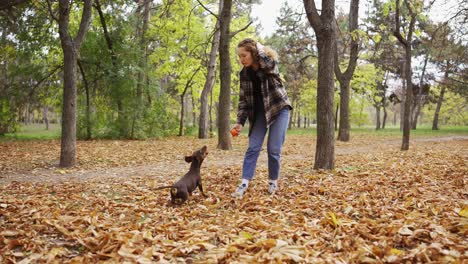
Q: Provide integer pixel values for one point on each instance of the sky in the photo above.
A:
(270, 9)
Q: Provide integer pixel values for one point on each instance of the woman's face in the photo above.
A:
(245, 57)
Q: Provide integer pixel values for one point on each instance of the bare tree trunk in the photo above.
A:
(408, 102)
(298, 119)
(408, 73)
(418, 102)
(182, 113)
(194, 114)
(88, 110)
(345, 78)
(71, 48)
(343, 131)
(336, 116)
(46, 116)
(435, 121)
(210, 78)
(211, 112)
(110, 46)
(182, 101)
(292, 114)
(384, 116)
(377, 121)
(224, 140)
(324, 28)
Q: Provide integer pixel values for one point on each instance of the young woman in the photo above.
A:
(264, 102)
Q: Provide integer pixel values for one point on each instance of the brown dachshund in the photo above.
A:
(191, 180)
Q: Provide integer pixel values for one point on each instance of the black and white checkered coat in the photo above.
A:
(274, 93)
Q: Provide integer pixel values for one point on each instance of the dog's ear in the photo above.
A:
(204, 148)
(188, 159)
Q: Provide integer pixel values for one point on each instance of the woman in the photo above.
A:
(264, 102)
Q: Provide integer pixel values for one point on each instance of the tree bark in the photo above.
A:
(88, 103)
(113, 77)
(419, 99)
(435, 121)
(46, 116)
(70, 49)
(408, 73)
(182, 101)
(377, 115)
(324, 28)
(209, 83)
(345, 78)
(336, 116)
(224, 140)
(384, 120)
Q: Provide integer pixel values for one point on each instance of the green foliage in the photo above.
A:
(358, 106)
(8, 123)
(454, 110)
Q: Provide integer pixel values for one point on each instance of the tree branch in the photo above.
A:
(84, 24)
(312, 15)
(51, 11)
(209, 11)
(396, 32)
(240, 30)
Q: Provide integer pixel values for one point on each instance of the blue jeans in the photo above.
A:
(276, 136)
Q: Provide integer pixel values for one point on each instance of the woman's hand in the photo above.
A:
(235, 131)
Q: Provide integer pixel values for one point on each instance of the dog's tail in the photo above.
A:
(165, 187)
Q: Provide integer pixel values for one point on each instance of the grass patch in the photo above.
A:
(34, 132)
(391, 131)
(38, 132)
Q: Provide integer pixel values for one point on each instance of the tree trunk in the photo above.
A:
(113, 76)
(336, 116)
(291, 114)
(345, 78)
(343, 131)
(209, 83)
(408, 101)
(323, 25)
(182, 101)
(406, 43)
(384, 116)
(435, 122)
(194, 114)
(298, 125)
(88, 110)
(70, 49)
(182, 113)
(419, 98)
(211, 112)
(224, 140)
(46, 116)
(377, 121)
(138, 107)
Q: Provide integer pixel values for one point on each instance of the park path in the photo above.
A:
(175, 168)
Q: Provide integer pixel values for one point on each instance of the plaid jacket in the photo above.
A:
(274, 93)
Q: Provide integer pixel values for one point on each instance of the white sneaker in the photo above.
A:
(240, 191)
(272, 188)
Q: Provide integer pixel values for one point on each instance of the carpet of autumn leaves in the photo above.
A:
(379, 205)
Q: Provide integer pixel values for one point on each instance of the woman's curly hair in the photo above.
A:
(250, 45)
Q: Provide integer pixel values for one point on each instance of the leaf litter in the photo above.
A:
(379, 205)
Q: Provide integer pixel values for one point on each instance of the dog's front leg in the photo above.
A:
(200, 187)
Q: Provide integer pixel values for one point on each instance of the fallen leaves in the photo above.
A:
(378, 205)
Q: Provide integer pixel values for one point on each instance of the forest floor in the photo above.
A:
(379, 204)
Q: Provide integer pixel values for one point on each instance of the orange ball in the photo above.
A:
(234, 132)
